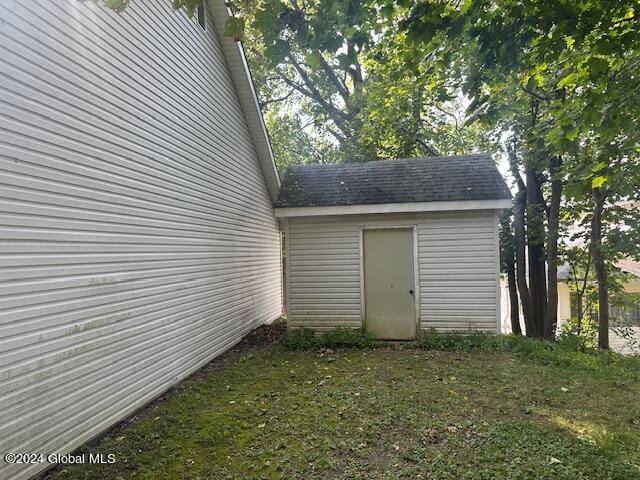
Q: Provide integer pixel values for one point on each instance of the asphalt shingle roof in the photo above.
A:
(427, 179)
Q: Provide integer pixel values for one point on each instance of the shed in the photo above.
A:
(394, 247)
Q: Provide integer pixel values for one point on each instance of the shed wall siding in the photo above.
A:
(137, 237)
(458, 271)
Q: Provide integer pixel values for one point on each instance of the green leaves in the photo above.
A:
(313, 60)
(189, 6)
(117, 5)
(277, 51)
(598, 181)
(234, 28)
(597, 67)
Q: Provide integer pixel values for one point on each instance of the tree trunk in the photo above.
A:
(513, 298)
(599, 197)
(581, 291)
(519, 205)
(536, 256)
(553, 224)
(508, 265)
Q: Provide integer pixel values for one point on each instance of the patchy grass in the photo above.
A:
(270, 413)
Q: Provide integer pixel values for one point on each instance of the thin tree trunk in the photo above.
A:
(599, 197)
(508, 265)
(536, 256)
(553, 222)
(519, 205)
(513, 298)
(580, 286)
(581, 309)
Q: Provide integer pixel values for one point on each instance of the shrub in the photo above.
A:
(300, 339)
(568, 351)
(564, 352)
(347, 338)
(583, 341)
(461, 342)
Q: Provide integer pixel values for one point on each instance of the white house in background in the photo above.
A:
(630, 313)
(137, 233)
(627, 315)
(394, 246)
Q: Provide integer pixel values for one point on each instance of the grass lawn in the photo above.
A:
(268, 413)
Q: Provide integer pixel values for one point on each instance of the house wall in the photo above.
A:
(564, 304)
(458, 269)
(137, 237)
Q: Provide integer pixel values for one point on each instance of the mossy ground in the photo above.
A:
(270, 413)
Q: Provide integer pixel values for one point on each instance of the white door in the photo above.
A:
(389, 283)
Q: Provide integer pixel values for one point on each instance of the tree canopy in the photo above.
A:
(339, 70)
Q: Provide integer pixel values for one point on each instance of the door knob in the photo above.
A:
(411, 292)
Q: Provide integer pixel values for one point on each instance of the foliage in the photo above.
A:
(457, 342)
(276, 413)
(569, 349)
(189, 6)
(338, 67)
(301, 339)
(293, 145)
(556, 79)
(583, 333)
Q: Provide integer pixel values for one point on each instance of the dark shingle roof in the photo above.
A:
(626, 265)
(428, 179)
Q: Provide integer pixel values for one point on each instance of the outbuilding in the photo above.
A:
(394, 247)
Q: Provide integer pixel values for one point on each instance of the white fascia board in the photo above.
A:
(237, 62)
(393, 208)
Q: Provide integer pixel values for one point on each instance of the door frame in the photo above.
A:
(416, 270)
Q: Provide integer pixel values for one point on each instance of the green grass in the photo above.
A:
(272, 412)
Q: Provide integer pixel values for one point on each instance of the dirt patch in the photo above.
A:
(265, 334)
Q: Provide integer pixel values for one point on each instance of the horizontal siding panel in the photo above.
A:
(473, 326)
(457, 241)
(137, 236)
(326, 322)
(480, 298)
(72, 280)
(468, 283)
(449, 257)
(74, 310)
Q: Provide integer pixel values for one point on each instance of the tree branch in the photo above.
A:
(315, 94)
(334, 79)
(335, 114)
(277, 100)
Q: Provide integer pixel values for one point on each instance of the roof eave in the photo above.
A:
(415, 207)
(237, 62)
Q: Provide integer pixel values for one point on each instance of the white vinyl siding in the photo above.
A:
(457, 278)
(323, 260)
(459, 272)
(137, 237)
